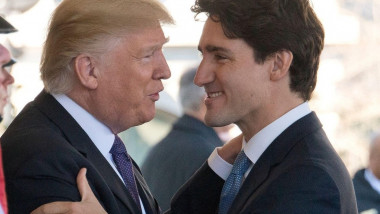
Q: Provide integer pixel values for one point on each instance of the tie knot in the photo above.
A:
(118, 146)
(241, 164)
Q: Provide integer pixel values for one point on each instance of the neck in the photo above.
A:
(256, 121)
(87, 101)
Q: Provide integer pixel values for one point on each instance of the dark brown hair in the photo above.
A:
(269, 26)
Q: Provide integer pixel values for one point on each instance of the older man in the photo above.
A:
(102, 67)
(6, 79)
(6, 61)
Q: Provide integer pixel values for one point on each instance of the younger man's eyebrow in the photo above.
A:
(212, 48)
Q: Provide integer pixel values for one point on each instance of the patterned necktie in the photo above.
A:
(124, 166)
(232, 185)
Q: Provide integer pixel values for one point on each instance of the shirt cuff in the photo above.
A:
(218, 165)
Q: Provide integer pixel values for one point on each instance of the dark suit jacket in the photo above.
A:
(366, 196)
(299, 172)
(43, 150)
(174, 159)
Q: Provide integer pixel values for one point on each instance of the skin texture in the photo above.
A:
(5, 78)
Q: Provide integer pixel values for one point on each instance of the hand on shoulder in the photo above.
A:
(231, 149)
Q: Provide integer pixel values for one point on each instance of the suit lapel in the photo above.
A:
(145, 195)
(255, 178)
(78, 138)
(112, 179)
(273, 156)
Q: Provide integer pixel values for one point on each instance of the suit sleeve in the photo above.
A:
(36, 178)
(200, 194)
(305, 189)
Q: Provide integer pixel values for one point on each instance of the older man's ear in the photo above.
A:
(84, 67)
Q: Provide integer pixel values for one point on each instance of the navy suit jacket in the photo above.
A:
(299, 172)
(43, 150)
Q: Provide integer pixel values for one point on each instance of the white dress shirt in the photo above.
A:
(256, 146)
(372, 180)
(99, 133)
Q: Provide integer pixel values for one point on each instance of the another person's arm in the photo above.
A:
(90, 204)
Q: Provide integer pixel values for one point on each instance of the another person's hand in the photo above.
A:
(89, 203)
(231, 149)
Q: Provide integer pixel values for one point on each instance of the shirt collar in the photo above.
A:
(256, 146)
(99, 133)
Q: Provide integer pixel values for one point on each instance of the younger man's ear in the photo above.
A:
(282, 61)
(85, 71)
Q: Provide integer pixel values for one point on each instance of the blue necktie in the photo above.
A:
(232, 185)
(124, 166)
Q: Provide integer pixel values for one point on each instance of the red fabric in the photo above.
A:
(3, 196)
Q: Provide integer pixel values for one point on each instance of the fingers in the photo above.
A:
(83, 186)
(53, 208)
(237, 139)
(231, 149)
(89, 203)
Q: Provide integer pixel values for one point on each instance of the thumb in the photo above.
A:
(83, 186)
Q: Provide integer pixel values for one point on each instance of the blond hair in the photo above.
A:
(87, 26)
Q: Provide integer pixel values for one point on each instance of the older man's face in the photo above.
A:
(5, 78)
(131, 77)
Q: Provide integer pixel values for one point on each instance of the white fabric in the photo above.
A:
(256, 146)
(372, 180)
(1, 210)
(99, 133)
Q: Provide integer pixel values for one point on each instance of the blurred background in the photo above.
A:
(346, 98)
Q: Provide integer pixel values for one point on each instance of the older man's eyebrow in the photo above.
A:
(9, 63)
(155, 47)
